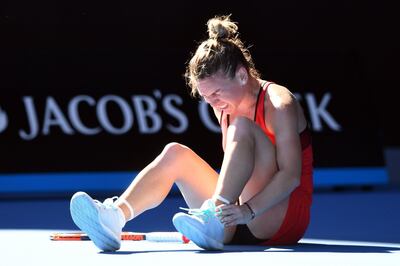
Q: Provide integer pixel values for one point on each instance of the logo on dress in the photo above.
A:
(3, 120)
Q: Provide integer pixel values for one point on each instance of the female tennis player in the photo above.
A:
(263, 192)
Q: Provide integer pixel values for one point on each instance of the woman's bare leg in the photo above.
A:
(248, 153)
(249, 165)
(176, 163)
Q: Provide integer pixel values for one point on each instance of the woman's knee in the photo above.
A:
(241, 129)
(174, 151)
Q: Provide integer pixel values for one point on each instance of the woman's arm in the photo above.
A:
(284, 120)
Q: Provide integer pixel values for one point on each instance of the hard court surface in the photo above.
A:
(348, 228)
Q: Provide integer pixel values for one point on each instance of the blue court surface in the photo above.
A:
(347, 228)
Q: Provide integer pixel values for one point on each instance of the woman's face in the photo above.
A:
(221, 92)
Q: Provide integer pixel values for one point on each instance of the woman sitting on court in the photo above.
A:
(263, 192)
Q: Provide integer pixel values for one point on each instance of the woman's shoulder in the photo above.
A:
(279, 96)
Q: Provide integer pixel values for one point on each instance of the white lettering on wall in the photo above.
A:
(173, 111)
(3, 120)
(32, 119)
(149, 121)
(74, 116)
(105, 120)
(320, 112)
(53, 116)
(109, 109)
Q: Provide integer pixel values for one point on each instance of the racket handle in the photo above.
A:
(166, 237)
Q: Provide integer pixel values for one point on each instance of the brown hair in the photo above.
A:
(223, 51)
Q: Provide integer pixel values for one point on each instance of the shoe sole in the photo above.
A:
(85, 215)
(192, 232)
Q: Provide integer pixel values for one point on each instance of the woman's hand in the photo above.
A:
(233, 214)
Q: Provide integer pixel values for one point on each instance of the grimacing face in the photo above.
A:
(221, 92)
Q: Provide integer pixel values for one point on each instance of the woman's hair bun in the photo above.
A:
(221, 27)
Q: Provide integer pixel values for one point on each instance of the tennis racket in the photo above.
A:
(132, 236)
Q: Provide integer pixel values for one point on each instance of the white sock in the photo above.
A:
(132, 214)
(220, 198)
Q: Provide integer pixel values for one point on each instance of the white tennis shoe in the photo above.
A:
(201, 226)
(102, 222)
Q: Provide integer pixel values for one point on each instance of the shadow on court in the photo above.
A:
(309, 247)
(335, 248)
(302, 247)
